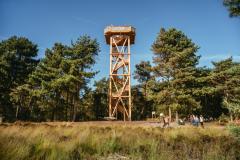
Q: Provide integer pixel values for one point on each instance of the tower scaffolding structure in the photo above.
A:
(120, 39)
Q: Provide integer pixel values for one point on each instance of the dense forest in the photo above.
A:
(55, 88)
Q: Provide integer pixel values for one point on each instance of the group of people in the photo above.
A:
(195, 120)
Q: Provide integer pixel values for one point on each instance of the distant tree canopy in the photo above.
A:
(56, 88)
(233, 7)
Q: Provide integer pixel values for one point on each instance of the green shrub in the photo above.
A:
(223, 119)
(235, 130)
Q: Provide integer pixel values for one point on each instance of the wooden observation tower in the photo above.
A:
(120, 39)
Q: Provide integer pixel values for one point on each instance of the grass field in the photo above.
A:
(115, 140)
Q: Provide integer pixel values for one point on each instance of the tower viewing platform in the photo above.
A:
(110, 31)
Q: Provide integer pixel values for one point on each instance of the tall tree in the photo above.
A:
(83, 56)
(233, 7)
(175, 68)
(17, 61)
(46, 80)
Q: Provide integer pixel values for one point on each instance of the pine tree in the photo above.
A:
(175, 68)
(60, 80)
(17, 61)
(225, 78)
(233, 7)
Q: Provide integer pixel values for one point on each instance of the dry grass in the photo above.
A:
(116, 140)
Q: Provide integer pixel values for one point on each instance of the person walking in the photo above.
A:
(197, 120)
(201, 121)
(165, 122)
(164, 119)
(193, 120)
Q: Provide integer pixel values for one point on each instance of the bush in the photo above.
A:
(223, 120)
(235, 130)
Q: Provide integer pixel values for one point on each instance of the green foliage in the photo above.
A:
(233, 106)
(181, 86)
(225, 78)
(16, 63)
(233, 7)
(143, 71)
(100, 98)
(235, 130)
(175, 68)
(57, 89)
(223, 119)
(20, 98)
(142, 105)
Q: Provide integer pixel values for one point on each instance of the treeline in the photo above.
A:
(55, 88)
(174, 84)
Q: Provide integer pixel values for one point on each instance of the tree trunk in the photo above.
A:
(145, 101)
(145, 90)
(170, 114)
(66, 114)
(76, 99)
(169, 109)
(18, 108)
(176, 117)
(53, 114)
(74, 111)
(142, 111)
(231, 117)
(29, 104)
(71, 107)
(16, 115)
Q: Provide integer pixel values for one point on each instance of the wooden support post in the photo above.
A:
(129, 72)
(110, 81)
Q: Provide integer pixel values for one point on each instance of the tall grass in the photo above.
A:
(114, 141)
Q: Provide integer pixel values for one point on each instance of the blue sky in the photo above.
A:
(45, 22)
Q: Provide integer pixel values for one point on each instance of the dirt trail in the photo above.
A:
(109, 123)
